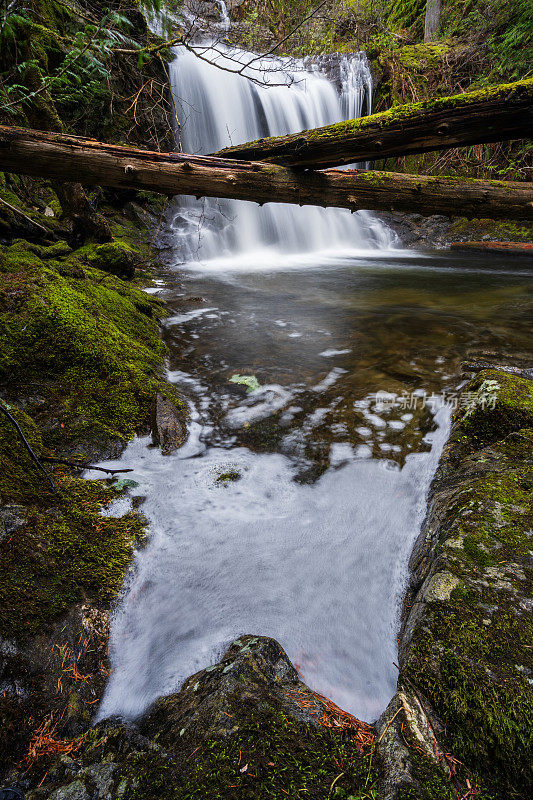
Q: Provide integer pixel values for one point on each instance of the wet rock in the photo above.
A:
(12, 517)
(403, 730)
(247, 723)
(74, 791)
(168, 426)
(254, 669)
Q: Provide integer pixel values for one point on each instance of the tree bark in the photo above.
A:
(87, 161)
(432, 21)
(489, 115)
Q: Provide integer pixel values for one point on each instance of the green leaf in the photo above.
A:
(250, 381)
(125, 483)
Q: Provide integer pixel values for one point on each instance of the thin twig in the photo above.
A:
(22, 214)
(389, 723)
(79, 465)
(28, 447)
(334, 782)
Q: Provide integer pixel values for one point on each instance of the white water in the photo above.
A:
(217, 108)
(320, 568)
(224, 16)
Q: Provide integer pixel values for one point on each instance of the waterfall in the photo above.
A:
(216, 108)
(224, 16)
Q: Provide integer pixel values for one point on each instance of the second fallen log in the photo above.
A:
(487, 115)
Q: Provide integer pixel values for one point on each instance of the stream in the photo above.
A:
(292, 509)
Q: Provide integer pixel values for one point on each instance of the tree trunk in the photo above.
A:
(432, 22)
(86, 221)
(489, 115)
(58, 157)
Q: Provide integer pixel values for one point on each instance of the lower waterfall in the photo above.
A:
(216, 108)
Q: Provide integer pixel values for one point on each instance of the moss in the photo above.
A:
(269, 755)
(499, 230)
(66, 553)
(116, 257)
(454, 661)
(96, 339)
(431, 782)
(507, 408)
(225, 477)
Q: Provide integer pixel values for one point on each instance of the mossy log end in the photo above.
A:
(58, 157)
(488, 115)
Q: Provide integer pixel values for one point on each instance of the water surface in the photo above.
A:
(310, 543)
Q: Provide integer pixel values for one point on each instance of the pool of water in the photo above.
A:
(291, 510)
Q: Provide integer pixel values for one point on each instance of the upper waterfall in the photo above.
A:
(217, 107)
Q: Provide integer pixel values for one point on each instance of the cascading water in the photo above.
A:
(217, 108)
(224, 16)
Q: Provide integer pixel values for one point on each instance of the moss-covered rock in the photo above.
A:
(468, 650)
(117, 258)
(246, 727)
(499, 403)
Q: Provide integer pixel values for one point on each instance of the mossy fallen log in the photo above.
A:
(58, 157)
(489, 115)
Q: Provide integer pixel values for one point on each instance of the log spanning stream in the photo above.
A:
(291, 510)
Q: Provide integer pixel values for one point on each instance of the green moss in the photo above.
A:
(66, 552)
(509, 408)
(472, 656)
(116, 257)
(86, 356)
(455, 660)
(501, 230)
(225, 477)
(431, 782)
(96, 337)
(268, 755)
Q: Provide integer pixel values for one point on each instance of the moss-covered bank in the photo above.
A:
(81, 361)
(467, 640)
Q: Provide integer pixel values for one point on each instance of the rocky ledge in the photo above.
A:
(466, 648)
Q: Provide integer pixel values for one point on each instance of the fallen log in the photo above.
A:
(58, 157)
(489, 115)
(517, 249)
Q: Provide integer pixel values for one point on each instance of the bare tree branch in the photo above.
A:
(28, 447)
